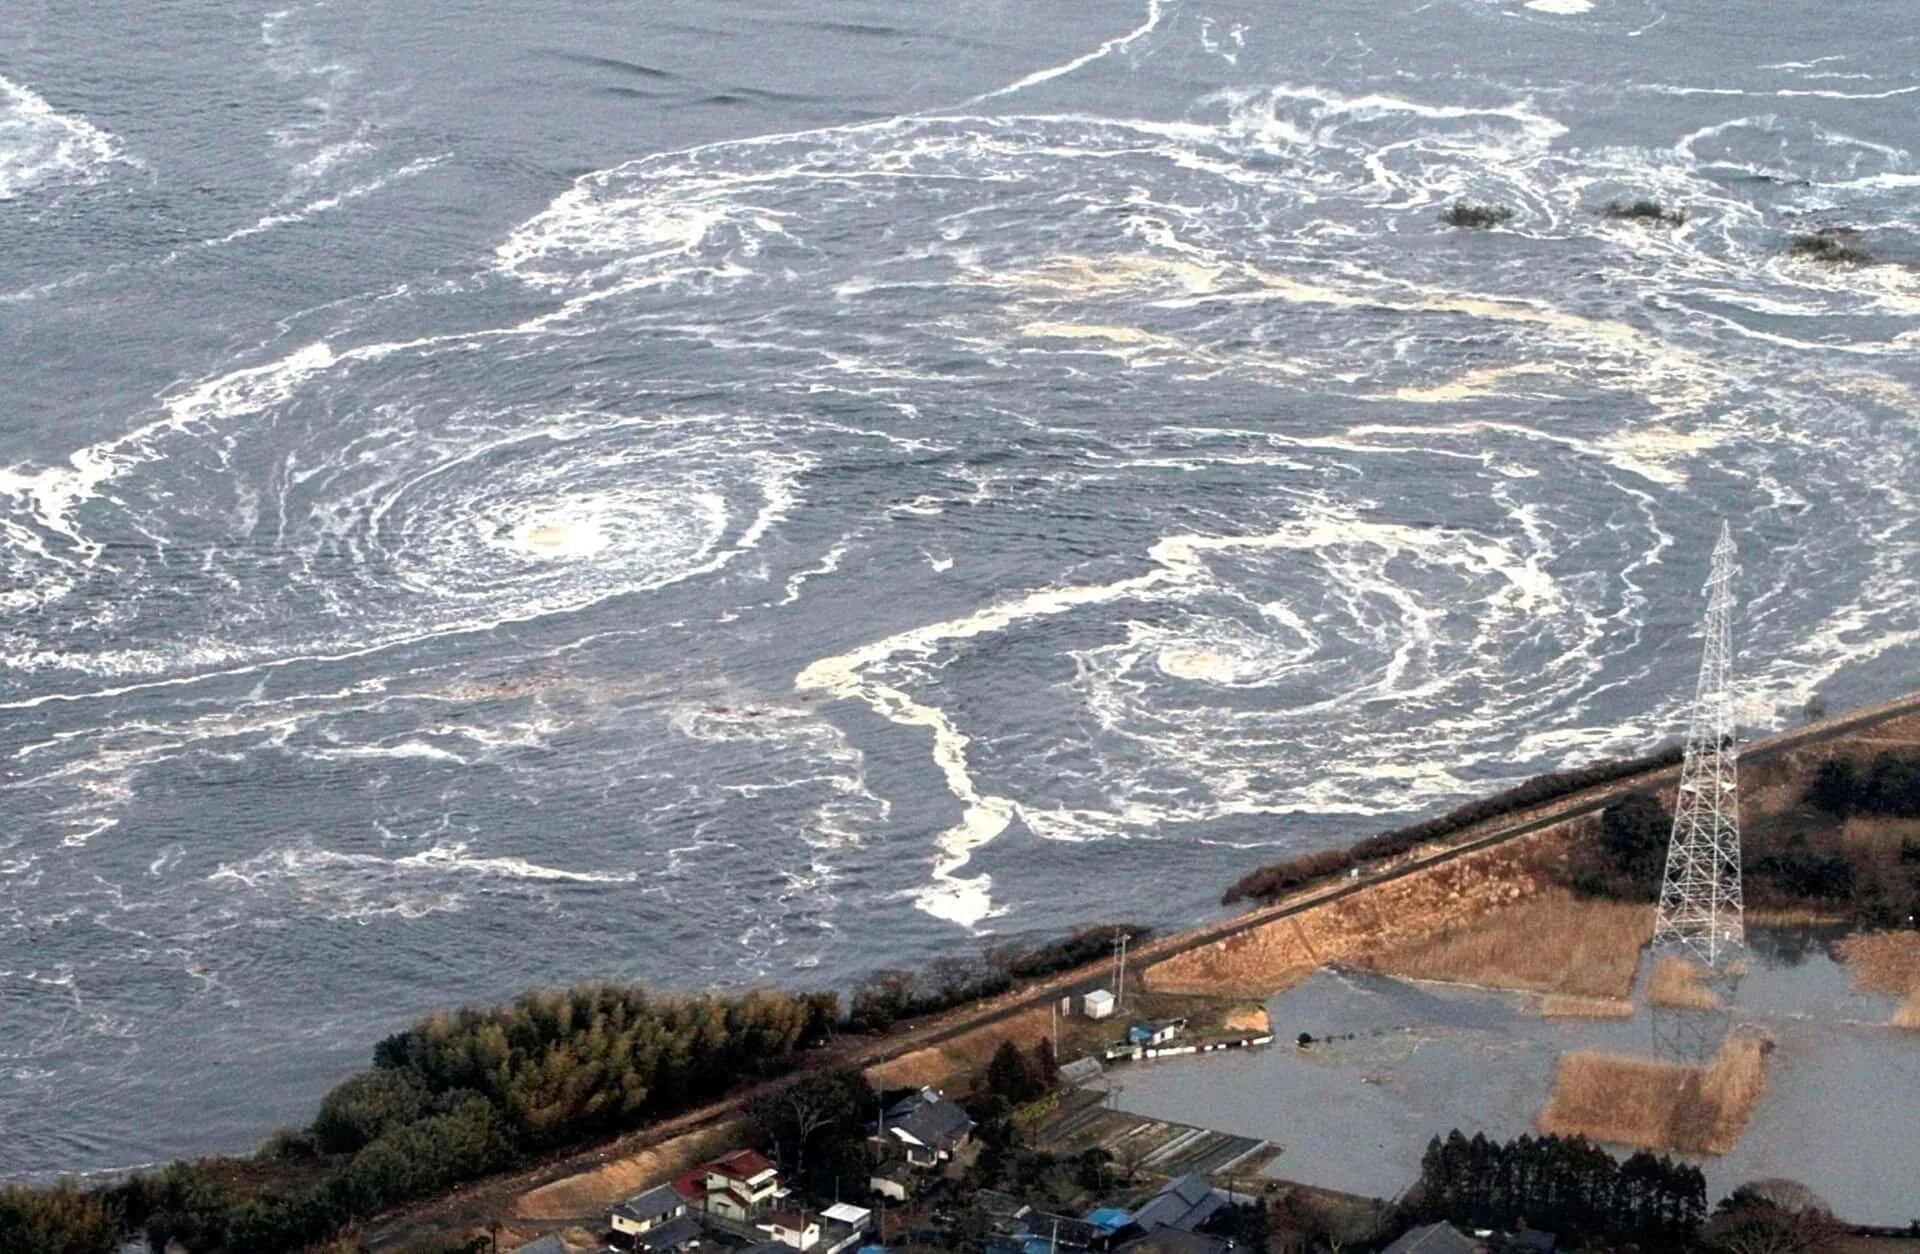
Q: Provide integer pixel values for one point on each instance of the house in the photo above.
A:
(1175, 1241)
(671, 1237)
(1184, 1203)
(1080, 1072)
(1440, 1238)
(644, 1212)
(1109, 1219)
(736, 1186)
(791, 1229)
(1098, 1004)
(926, 1126)
(1150, 1034)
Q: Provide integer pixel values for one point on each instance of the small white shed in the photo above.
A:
(1098, 1004)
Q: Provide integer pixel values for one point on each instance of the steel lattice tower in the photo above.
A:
(1700, 900)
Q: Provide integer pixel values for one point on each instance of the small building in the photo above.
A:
(1098, 1004)
(1440, 1238)
(1184, 1203)
(791, 1229)
(1109, 1219)
(1150, 1034)
(859, 1218)
(1081, 1071)
(895, 1181)
(646, 1211)
(927, 1127)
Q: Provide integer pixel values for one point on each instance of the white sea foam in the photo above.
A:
(40, 145)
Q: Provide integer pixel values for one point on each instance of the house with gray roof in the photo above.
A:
(1440, 1238)
(926, 1126)
(1184, 1204)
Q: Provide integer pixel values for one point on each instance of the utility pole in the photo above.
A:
(1120, 940)
(1702, 907)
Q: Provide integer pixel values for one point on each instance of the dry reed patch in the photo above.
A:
(1246, 1019)
(591, 1192)
(1658, 1105)
(1547, 942)
(923, 1068)
(1908, 1016)
(1561, 1006)
(1886, 963)
(1681, 985)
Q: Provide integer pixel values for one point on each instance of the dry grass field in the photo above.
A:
(593, 1191)
(1657, 1105)
(1680, 985)
(1549, 942)
(1384, 918)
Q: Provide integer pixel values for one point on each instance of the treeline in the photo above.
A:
(454, 1097)
(1562, 1184)
(1889, 786)
(1788, 861)
(888, 997)
(1277, 879)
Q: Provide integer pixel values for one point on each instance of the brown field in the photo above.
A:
(1681, 985)
(1887, 964)
(1657, 1105)
(1560, 1006)
(595, 1190)
(945, 1065)
(1549, 942)
(1386, 918)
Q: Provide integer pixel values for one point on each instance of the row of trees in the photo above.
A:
(1889, 785)
(1269, 882)
(1563, 1184)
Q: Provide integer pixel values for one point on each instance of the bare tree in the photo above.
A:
(1774, 1216)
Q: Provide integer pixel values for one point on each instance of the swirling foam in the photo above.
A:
(40, 145)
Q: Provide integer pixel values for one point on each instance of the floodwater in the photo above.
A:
(1414, 1061)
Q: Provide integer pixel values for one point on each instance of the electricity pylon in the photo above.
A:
(1700, 901)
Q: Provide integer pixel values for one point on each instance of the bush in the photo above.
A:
(1830, 246)
(1628, 859)
(361, 1107)
(1651, 212)
(60, 1220)
(1465, 213)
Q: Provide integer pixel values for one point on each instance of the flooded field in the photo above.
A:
(1396, 1063)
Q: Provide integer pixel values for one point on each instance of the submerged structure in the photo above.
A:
(1701, 908)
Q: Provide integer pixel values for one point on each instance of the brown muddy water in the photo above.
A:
(1407, 1062)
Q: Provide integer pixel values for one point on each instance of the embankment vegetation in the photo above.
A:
(1564, 1184)
(463, 1094)
(1268, 883)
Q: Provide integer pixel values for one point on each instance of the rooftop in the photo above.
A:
(1440, 1238)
